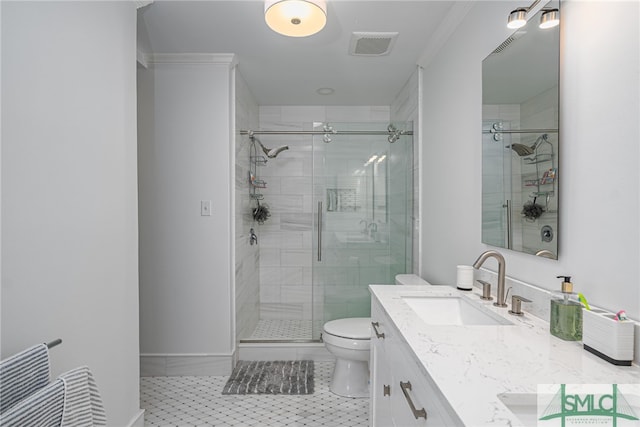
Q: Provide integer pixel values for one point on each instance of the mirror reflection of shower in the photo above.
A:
(271, 153)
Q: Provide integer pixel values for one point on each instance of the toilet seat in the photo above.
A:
(346, 343)
(356, 328)
(351, 334)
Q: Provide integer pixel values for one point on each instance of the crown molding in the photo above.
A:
(229, 59)
(142, 3)
(141, 58)
(448, 25)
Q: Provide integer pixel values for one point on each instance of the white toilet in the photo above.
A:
(349, 340)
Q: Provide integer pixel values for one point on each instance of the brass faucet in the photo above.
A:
(500, 296)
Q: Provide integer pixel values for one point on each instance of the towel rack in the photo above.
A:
(54, 343)
(22, 375)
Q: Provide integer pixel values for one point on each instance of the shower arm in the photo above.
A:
(270, 153)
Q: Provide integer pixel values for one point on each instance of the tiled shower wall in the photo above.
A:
(247, 256)
(286, 237)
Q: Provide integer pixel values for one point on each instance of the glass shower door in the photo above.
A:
(362, 200)
(497, 194)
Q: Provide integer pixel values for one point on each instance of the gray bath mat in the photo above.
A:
(279, 377)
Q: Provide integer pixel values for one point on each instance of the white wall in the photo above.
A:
(185, 258)
(69, 195)
(599, 96)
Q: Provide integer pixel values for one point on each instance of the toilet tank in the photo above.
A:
(410, 279)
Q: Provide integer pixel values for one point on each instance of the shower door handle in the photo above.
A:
(319, 231)
(507, 205)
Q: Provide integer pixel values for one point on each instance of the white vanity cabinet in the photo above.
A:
(394, 368)
(380, 371)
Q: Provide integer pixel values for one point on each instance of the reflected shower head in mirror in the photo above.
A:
(271, 153)
(524, 150)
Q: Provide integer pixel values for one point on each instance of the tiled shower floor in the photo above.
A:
(197, 401)
(273, 329)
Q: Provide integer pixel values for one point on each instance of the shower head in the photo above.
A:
(271, 153)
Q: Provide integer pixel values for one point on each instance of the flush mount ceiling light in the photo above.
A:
(295, 18)
(550, 18)
(325, 91)
(517, 18)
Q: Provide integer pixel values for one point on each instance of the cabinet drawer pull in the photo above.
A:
(416, 412)
(375, 329)
(386, 390)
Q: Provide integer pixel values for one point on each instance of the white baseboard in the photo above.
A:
(284, 351)
(170, 365)
(137, 420)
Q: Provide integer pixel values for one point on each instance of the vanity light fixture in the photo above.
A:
(295, 18)
(517, 18)
(550, 18)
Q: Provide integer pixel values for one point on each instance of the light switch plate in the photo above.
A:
(205, 207)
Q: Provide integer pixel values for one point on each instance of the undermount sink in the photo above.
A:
(353, 237)
(523, 405)
(452, 310)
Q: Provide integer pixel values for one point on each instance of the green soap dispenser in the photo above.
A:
(566, 314)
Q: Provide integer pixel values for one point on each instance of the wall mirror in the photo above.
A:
(520, 141)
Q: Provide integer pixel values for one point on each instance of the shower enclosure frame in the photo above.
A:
(393, 135)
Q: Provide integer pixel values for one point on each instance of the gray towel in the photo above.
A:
(82, 403)
(42, 409)
(23, 374)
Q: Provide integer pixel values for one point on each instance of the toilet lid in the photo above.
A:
(358, 328)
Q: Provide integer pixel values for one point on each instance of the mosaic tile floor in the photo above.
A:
(197, 401)
(273, 329)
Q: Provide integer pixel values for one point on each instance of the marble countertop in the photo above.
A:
(472, 365)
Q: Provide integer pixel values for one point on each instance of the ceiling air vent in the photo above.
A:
(371, 43)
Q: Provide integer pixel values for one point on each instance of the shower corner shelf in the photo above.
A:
(258, 183)
(543, 193)
(258, 160)
(254, 183)
(539, 158)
